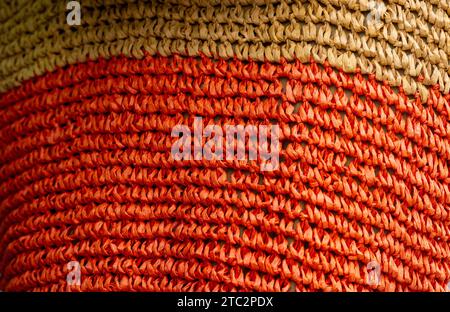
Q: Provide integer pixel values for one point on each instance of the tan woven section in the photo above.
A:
(409, 47)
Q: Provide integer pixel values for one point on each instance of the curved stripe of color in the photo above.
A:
(405, 43)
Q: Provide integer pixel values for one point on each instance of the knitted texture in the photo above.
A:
(87, 174)
(411, 40)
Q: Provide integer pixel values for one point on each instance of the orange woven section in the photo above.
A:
(86, 175)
